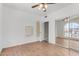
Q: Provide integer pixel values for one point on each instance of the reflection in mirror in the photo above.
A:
(74, 33)
(62, 38)
(61, 35)
(67, 35)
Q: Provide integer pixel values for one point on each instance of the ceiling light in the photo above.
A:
(46, 6)
(43, 7)
(40, 6)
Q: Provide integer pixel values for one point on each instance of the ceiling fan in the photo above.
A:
(42, 6)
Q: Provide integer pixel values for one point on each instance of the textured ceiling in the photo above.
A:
(27, 7)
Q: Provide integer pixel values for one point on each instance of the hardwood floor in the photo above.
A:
(37, 49)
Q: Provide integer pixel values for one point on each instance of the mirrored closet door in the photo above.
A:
(67, 35)
(62, 34)
(74, 39)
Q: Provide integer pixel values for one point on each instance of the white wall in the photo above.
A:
(62, 13)
(0, 26)
(14, 27)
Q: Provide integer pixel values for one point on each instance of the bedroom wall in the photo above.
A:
(14, 22)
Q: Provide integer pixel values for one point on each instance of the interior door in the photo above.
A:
(46, 31)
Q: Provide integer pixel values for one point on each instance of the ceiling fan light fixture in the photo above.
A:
(46, 6)
(40, 7)
(43, 7)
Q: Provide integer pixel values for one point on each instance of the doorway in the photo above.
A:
(46, 31)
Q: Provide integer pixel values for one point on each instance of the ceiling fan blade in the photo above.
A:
(35, 5)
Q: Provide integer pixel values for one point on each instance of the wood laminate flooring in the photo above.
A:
(37, 49)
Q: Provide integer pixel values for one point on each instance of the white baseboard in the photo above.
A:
(19, 43)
